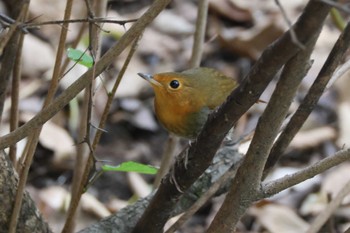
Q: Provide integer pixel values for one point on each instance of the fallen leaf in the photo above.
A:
(314, 203)
(37, 56)
(277, 218)
(90, 204)
(140, 187)
(173, 24)
(251, 43)
(312, 138)
(335, 180)
(229, 10)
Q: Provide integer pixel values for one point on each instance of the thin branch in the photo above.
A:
(291, 30)
(311, 99)
(112, 93)
(84, 130)
(336, 5)
(10, 40)
(90, 161)
(166, 160)
(154, 11)
(199, 35)
(329, 209)
(87, 20)
(246, 184)
(273, 187)
(5, 39)
(33, 140)
(339, 72)
(15, 97)
(20, 190)
(74, 44)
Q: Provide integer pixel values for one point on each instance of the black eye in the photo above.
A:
(174, 84)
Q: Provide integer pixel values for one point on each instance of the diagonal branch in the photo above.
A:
(245, 186)
(273, 187)
(311, 99)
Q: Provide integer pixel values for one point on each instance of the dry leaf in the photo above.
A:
(229, 10)
(277, 218)
(59, 141)
(314, 137)
(251, 43)
(90, 204)
(47, 10)
(173, 24)
(335, 180)
(53, 199)
(140, 187)
(314, 203)
(116, 204)
(37, 56)
(344, 124)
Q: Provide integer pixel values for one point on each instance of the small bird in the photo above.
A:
(184, 100)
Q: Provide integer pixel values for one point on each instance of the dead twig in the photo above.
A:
(291, 30)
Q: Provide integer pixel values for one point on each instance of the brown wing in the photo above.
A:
(224, 87)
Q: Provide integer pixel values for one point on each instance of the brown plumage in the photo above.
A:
(184, 100)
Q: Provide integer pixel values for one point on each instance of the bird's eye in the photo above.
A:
(174, 84)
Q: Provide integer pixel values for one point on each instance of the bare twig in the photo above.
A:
(88, 20)
(20, 190)
(33, 140)
(329, 209)
(90, 161)
(291, 30)
(84, 133)
(166, 161)
(339, 72)
(112, 93)
(276, 186)
(15, 97)
(199, 35)
(336, 5)
(10, 40)
(246, 184)
(73, 45)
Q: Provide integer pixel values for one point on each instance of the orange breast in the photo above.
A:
(181, 122)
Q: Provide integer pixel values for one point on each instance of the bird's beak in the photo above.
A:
(149, 78)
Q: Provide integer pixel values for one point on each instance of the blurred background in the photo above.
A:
(237, 33)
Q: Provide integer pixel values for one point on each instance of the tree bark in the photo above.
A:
(30, 220)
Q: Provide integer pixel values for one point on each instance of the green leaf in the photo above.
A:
(131, 166)
(80, 57)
